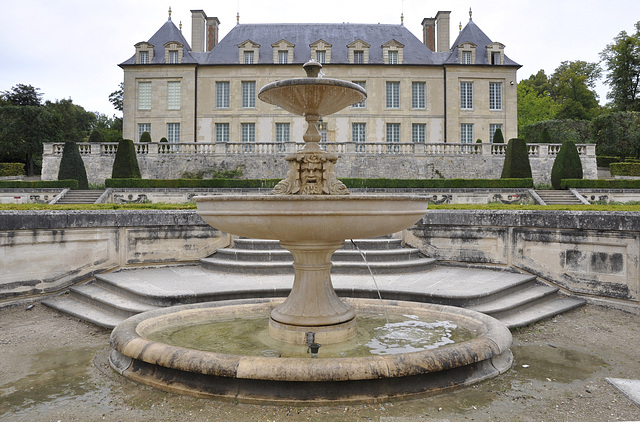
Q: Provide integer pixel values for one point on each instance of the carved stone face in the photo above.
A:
(311, 177)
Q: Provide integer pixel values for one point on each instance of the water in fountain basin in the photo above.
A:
(249, 336)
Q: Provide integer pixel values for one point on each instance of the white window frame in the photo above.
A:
(358, 56)
(393, 137)
(173, 56)
(466, 136)
(144, 95)
(173, 95)
(248, 57)
(248, 94)
(222, 94)
(283, 132)
(419, 133)
(492, 130)
(359, 136)
(466, 95)
(173, 133)
(144, 57)
(418, 95)
(495, 96)
(283, 56)
(467, 56)
(363, 103)
(393, 95)
(143, 127)
(222, 132)
(392, 56)
(248, 136)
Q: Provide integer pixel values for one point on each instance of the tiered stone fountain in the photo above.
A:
(311, 213)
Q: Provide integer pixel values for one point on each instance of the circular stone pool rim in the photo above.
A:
(269, 379)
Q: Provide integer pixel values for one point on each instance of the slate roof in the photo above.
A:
(472, 33)
(168, 32)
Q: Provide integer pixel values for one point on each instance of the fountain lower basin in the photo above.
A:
(304, 380)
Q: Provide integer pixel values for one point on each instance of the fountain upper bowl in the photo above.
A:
(312, 96)
(311, 217)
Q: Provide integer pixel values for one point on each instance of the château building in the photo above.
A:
(419, 91)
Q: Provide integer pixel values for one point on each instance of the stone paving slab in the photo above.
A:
(630, 388)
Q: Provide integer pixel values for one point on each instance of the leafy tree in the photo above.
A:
(23, 95)
(535, 103)
(109, 127)
(497, 137)
(73, 122)
(516, 160)
(72, 166)
(125, 165)
(558, 131)
(622, 61)
(617, 133)
(567, 164)
(117, 97)
(573, 86)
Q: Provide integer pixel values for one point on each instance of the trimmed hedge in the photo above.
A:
(72, 166)
(606, 160)
(601, 183)
(38, 184)
(11, 169)
(567, 165)
(625, 169)
(125, 165)
(350, 183)
(516, 161)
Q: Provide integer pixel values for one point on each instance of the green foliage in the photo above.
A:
(516, 160)
(95, 136)
(11, 169)
(545, 137)
(72, 122)
(605, 160)
(125, 165)
(567, 165)
(116, 97)
(622, 61)
(625, 169)
(617, 133)
(534, 105)
(145, 137)
(38, 184)
(23, 95)
(601, 183)
(191, 183)
(497, 137)
(163, 139)
(558, 131)
(573, 87)
(109, 127)
(72, 166)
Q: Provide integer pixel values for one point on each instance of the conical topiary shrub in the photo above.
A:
(497, 137)
(95, 136)
(545, 137)
(516, 160)
(72, 166)
(125, 166)
(145, 137)
(567, 165)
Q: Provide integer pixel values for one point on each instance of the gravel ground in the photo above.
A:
(54, 368)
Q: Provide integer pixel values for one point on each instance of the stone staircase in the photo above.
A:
(558, 197)
(81, 197)
(259, 268)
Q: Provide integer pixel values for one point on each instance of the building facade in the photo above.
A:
(429, 91)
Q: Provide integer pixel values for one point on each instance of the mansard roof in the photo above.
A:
(167, 33)
(303, 35)
(473, 34)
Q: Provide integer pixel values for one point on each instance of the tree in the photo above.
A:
(125, 165)
(535, 103)
(73, 122)
(117, 97)
(573, 87)
(617, 133)
(95, 136)
(497, 137)
(622, 61)
(72, 166)
(23, 95)
(567, 164)
(109, 127)
(516, 160)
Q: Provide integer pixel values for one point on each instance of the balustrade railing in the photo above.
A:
(273, 148)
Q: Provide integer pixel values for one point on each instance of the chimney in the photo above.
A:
(442, 26)
(212, 32)
(198, 22)
(429, 33)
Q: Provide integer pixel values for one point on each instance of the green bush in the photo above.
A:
(350, 183)
(545, 137)
(125, 165)
(145, 137)
(38, 184)
(163, 139)
(606, 160)
(567, 165)
(72, 166)
(11, 169)
(497, 137)
(559, 131)
(625, 169)
(601, 183)
(516, 160)
(95, 136)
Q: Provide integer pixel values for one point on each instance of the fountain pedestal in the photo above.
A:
(312, 305)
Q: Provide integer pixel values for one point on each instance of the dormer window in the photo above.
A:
(392, 52)
(173, 52)
(495, 53)
(358, 52)
(144, 53)
(282, 52)
(321, 51)
(467, 53)
(249, 52)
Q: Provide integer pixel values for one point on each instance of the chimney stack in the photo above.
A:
(212, 32)
(198, 24)
(429, 33)
(442, 26)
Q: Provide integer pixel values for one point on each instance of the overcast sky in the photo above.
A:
(72, 48)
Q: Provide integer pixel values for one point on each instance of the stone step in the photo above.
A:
(80, 197)
(514, 302)
(85, 312)
(548, 309)
(115, 303)
(270, 255)
(362, 244)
